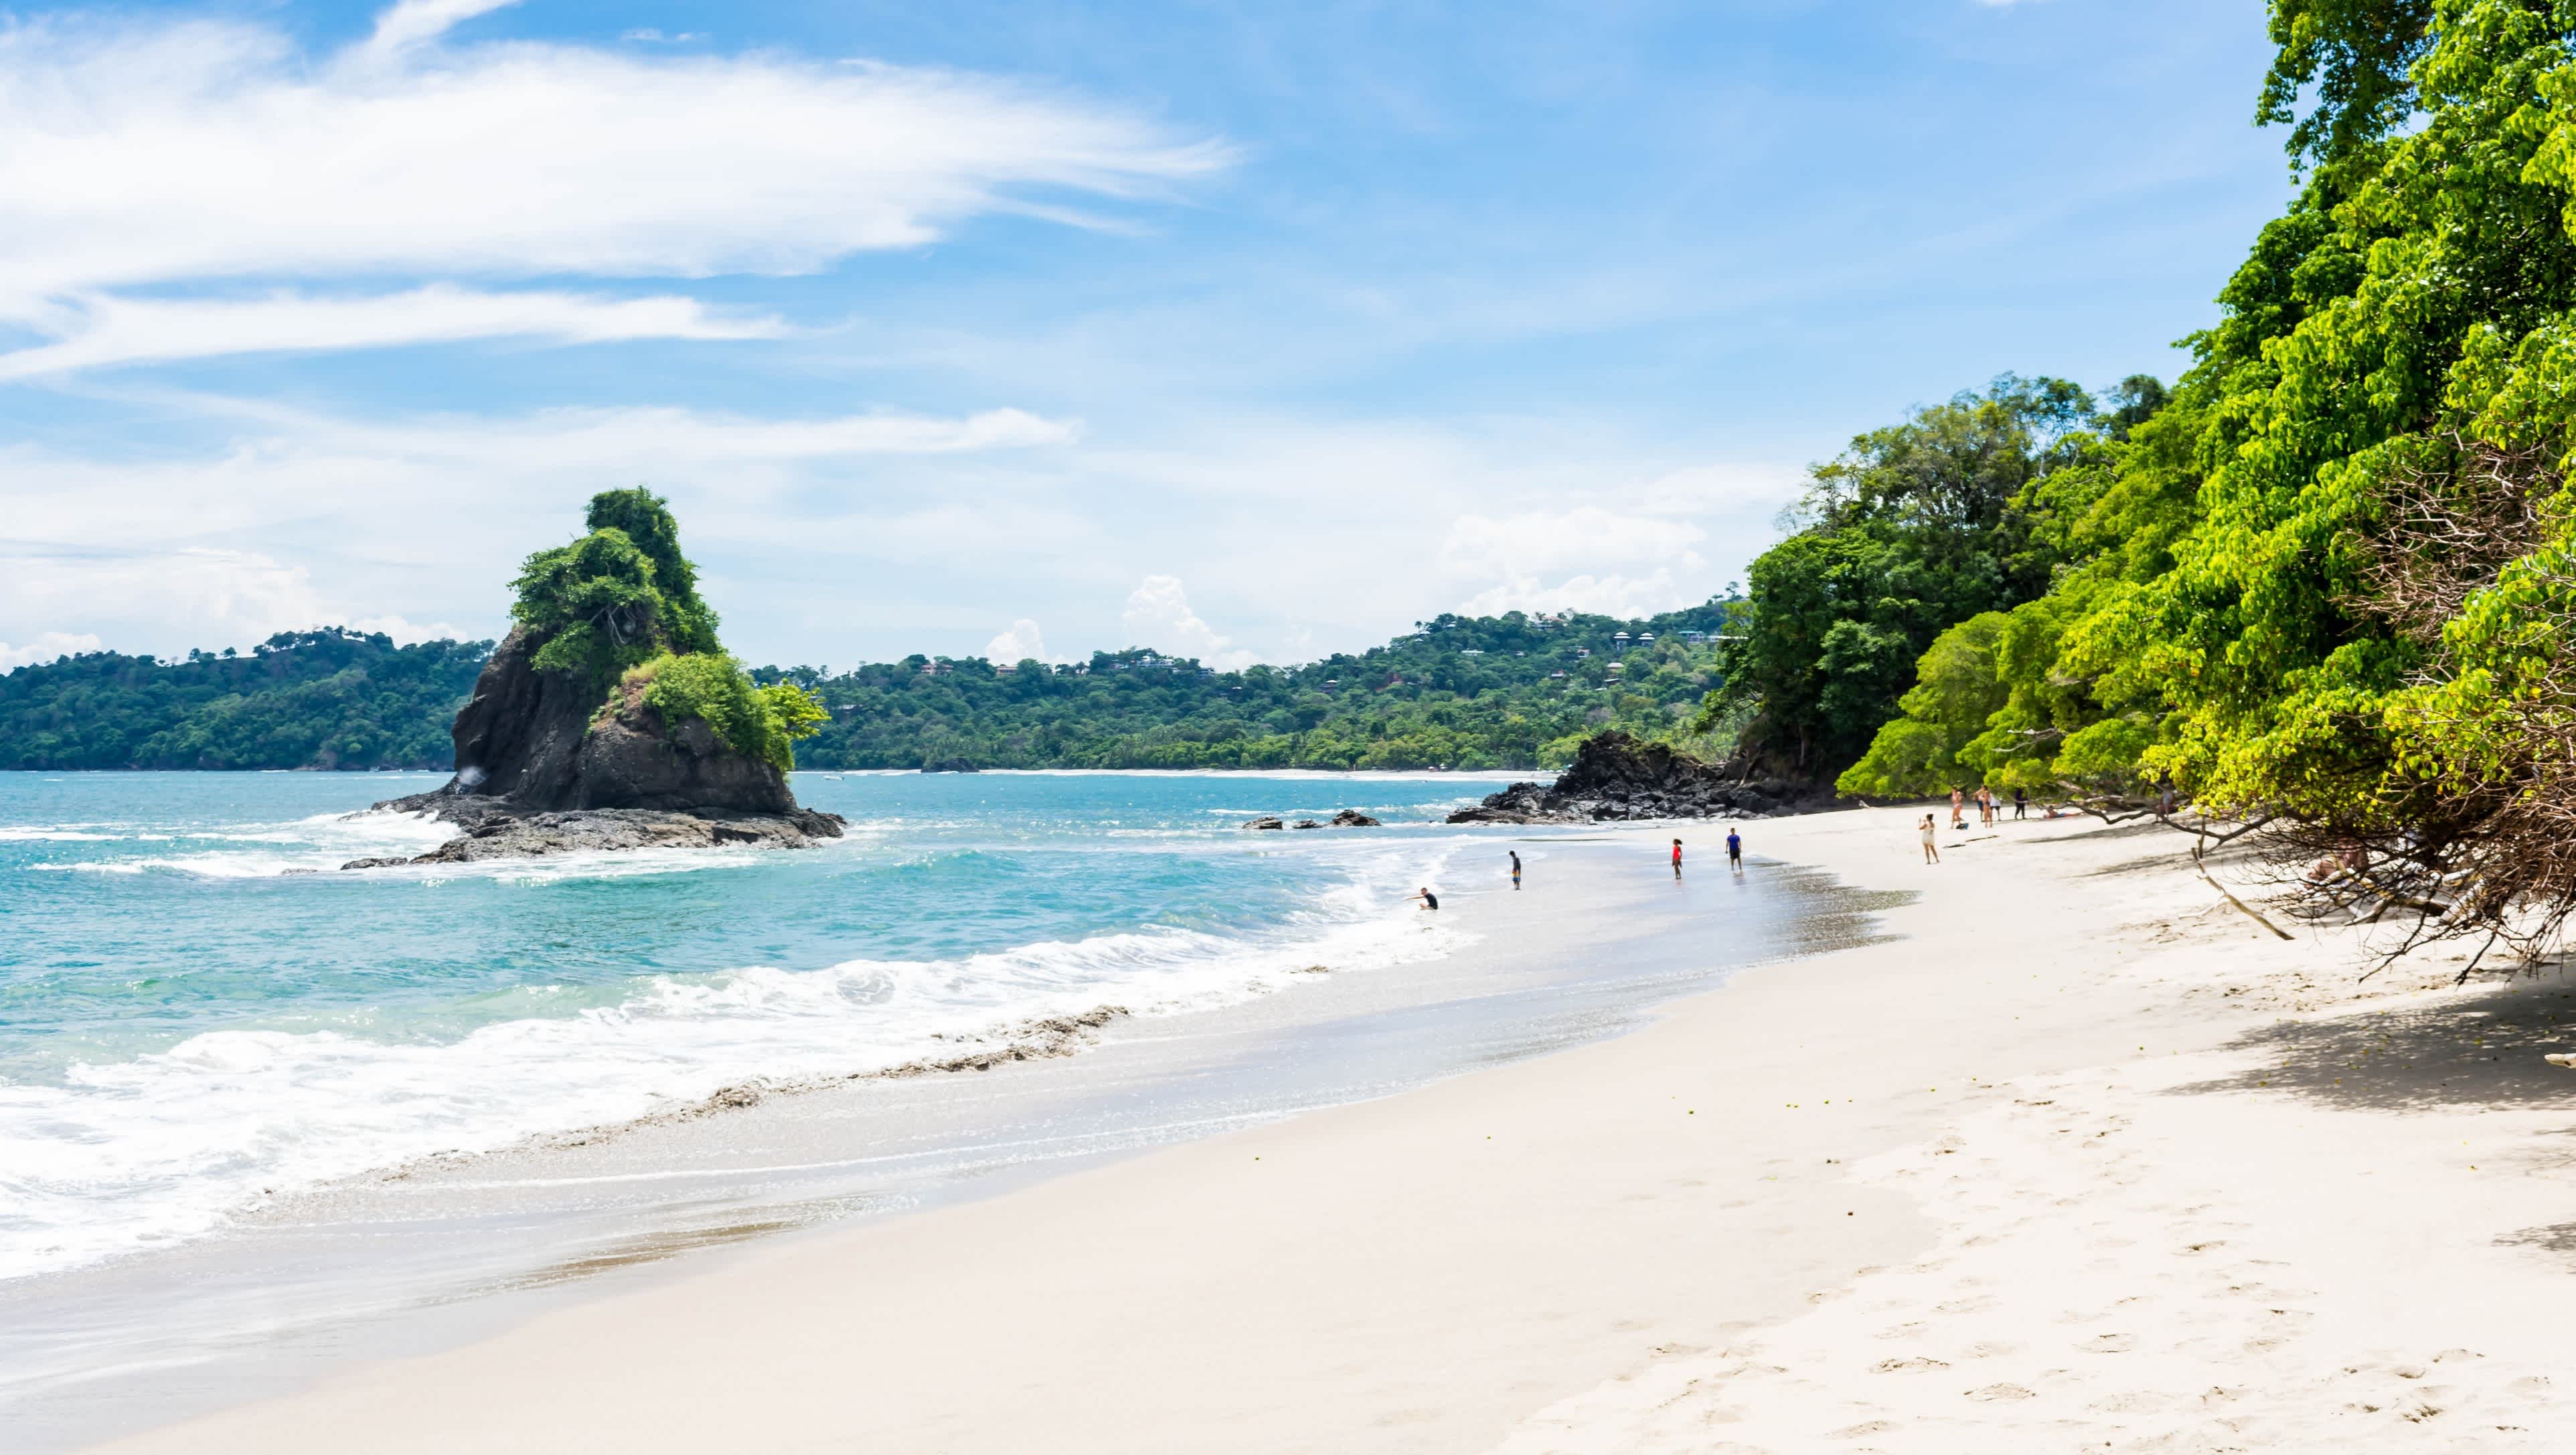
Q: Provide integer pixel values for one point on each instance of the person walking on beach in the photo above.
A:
(1958, 802)
(1429, 899)
(1931, 849)
(2021, 802)
(1677, 858)
(1516, 867)
(1735, 851)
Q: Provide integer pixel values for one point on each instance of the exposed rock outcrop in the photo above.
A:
(1618, 776)
(1352, 818)
(496, 832)
(544, 767)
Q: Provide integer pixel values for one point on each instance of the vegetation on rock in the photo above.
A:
(620, 607)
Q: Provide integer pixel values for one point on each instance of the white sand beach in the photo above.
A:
(2081, 1159)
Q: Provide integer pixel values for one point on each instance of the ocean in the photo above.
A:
(259, 1116)
(190, 1025)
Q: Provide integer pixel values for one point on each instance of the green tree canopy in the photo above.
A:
(1913, 528)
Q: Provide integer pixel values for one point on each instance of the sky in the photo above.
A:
(1241, 331)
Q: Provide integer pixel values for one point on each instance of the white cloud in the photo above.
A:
(231, 595)
(1541, 542)
(408, 23)
(1591, 553)
(104, 329)
(1158, 615)
(222, 596)
(404, 631)
(152, 153)
(45, 648)
(1613, 595)
(1019, 644)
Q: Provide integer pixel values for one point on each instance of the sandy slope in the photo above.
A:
(2084, 1161)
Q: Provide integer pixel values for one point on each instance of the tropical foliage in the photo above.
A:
(1463, 692)
(2330, 583)
(1512, 691)
(1911, 530)
(620, 607)
(317, 699)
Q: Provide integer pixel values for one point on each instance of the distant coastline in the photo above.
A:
(1511, 693)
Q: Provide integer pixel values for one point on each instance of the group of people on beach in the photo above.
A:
(1734, 861)
(1989, 808)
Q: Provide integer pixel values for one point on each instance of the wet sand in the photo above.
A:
(2083, 1160)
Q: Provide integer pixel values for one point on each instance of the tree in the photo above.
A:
(1914, 528)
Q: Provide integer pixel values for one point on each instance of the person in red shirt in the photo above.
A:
(1677, 858)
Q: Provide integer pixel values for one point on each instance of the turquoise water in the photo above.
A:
(190, 1026)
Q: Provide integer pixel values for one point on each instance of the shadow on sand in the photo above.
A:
(2475, 1051)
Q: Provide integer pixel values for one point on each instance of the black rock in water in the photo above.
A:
(1352, 818)
(1618, 776)
(543, 766)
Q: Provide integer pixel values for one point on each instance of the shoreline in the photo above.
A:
(438, 1251)
(1873, 1193)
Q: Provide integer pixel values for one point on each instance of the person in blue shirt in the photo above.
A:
(1735, 851)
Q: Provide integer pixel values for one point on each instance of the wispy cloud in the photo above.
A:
(107, 329)
(1159, 615)
(163, 154)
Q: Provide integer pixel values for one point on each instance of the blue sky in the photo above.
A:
(1238, 330)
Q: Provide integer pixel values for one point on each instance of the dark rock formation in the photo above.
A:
(1306, 823)
(1352, 818)
(1617, 776)
(543, 767)
(494, 832)
(1266, 823)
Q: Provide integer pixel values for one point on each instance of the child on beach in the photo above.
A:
(1931, 850)
(1735, 851)
(1429, 899)
(1516, 867)
(1677, 858)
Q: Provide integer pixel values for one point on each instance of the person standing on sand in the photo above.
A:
(1677, 858)
(1931, 849)
(1958, 801)
(1516, 867)
(2021, 802)
(1735, 851)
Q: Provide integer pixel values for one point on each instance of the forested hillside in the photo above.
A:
(1513, 691)
(317, 699)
